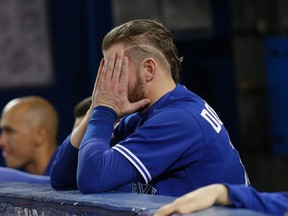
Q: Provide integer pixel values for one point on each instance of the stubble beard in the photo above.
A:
(137, 92)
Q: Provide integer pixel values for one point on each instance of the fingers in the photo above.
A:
(118, 66)
(138, 105)
(100, 74)
(166, 210)
(178, 206)
(109, 70)
(124, 78)
(194, 201)
(108, 73)
(114, 68)
(111, 86)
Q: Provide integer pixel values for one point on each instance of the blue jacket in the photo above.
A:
(178, 145)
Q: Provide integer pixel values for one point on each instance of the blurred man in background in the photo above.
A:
(29, 134)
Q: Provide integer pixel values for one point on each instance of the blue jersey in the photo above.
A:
(178, 145)
(247, 197)
(48, 168)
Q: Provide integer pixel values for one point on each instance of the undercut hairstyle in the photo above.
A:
(146, 38)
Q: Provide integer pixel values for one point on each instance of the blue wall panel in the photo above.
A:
(277, 84)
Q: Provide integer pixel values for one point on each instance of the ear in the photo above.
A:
(40, 136)
(150, 69)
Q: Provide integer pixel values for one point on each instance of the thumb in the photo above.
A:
(138, 105)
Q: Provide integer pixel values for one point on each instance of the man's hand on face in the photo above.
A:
(111, 85)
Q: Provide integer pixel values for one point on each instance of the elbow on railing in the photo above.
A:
(89, 183)
(61, 184)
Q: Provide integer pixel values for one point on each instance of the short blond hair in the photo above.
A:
(147, 37)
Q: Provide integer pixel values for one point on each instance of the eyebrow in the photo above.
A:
(7, 129)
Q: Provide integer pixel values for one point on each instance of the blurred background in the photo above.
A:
(235, 57)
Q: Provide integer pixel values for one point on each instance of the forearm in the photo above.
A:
(247, 197)
(202, 198)
(101, 125)
(101, 168)
(78, 133)
(64, 168)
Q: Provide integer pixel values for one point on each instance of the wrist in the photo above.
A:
(105, 112)
(222, 195)
(111, 106)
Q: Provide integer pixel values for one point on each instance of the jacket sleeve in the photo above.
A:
(64, 167)
(101, 168)
(247, 197)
